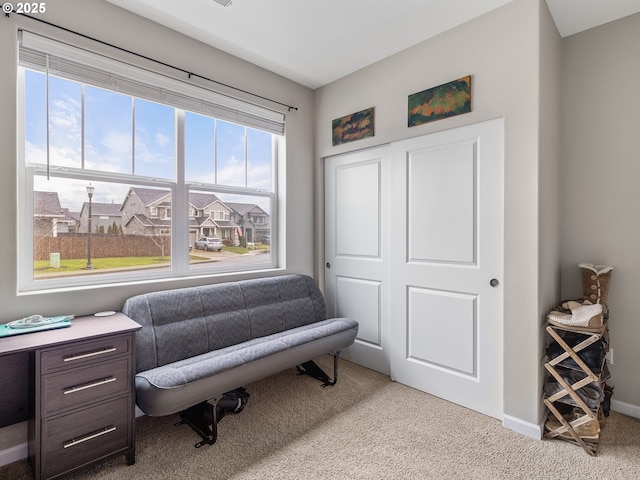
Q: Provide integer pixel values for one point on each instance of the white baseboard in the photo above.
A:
(532, 430)
(13, 443)
(537, 431)
(13, 454)
(625, 408)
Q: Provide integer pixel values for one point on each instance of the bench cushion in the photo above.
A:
(212, 363)
(186, 322)
(173, 388)
(197, 343)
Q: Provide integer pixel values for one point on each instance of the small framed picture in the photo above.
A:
(352, 127)
(446, 100)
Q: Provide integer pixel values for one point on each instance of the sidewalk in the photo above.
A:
(207, 257)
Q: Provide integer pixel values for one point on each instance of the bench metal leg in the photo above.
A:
(202, 418)
(312, 369)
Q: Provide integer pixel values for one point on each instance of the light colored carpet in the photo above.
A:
(365, 427)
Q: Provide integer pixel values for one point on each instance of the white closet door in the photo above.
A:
(447, 265)
(414, 252)
(356, 249)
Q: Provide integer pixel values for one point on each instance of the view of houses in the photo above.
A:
(147, 211)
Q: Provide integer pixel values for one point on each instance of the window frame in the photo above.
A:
(180, 228)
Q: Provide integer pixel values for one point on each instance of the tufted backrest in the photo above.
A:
(182, 323)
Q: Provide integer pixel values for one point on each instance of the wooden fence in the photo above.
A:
(102, 246)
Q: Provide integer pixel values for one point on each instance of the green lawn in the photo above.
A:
(241, 250)
(73, 264)
(78, 264)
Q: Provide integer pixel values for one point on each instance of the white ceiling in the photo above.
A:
(314, 43)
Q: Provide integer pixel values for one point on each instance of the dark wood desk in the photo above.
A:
(81, 394)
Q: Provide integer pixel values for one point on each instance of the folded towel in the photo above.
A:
(35, 321)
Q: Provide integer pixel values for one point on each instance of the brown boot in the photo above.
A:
(595, 282)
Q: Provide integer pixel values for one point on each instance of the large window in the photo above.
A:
(119, 180)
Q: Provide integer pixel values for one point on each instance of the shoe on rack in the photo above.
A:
(585, 316)
(596, 280)
(593, 355)
(591, 394)
(587, 431)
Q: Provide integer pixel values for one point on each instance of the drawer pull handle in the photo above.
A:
(91, 436)
(78, 388)
(90, 354)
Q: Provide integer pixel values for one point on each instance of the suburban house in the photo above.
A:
(48, 216)
(147, 211)
(105, 218)
(565, 108)
(250, 220)
(205, 215)
(50, 219)
(71, 221)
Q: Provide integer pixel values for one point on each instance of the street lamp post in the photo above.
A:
(89, 266)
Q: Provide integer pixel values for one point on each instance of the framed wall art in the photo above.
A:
(446, 100)
(352, 127)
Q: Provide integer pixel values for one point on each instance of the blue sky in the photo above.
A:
(109, 145)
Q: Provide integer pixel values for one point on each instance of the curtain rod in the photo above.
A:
(182, 70)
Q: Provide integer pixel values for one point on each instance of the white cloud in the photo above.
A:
(259, 176)
(65, 133)
(112, 153)
(162, 140)
(232, 172)
(65, 114)
(60, 156)
(73, 193)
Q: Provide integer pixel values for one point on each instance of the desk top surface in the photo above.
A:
(82, 328)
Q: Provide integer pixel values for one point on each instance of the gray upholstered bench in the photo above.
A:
(197, 343)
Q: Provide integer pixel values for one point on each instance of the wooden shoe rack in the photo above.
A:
(570, 418)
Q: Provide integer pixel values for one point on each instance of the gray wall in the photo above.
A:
(600, 179)
(501, 50)
(550, 159)
(106, 22)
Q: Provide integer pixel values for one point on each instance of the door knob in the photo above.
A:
(328, 265)
(494, 282)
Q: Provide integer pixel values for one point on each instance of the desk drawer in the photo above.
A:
(77, 386)
(72, 440)
(84, 353)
